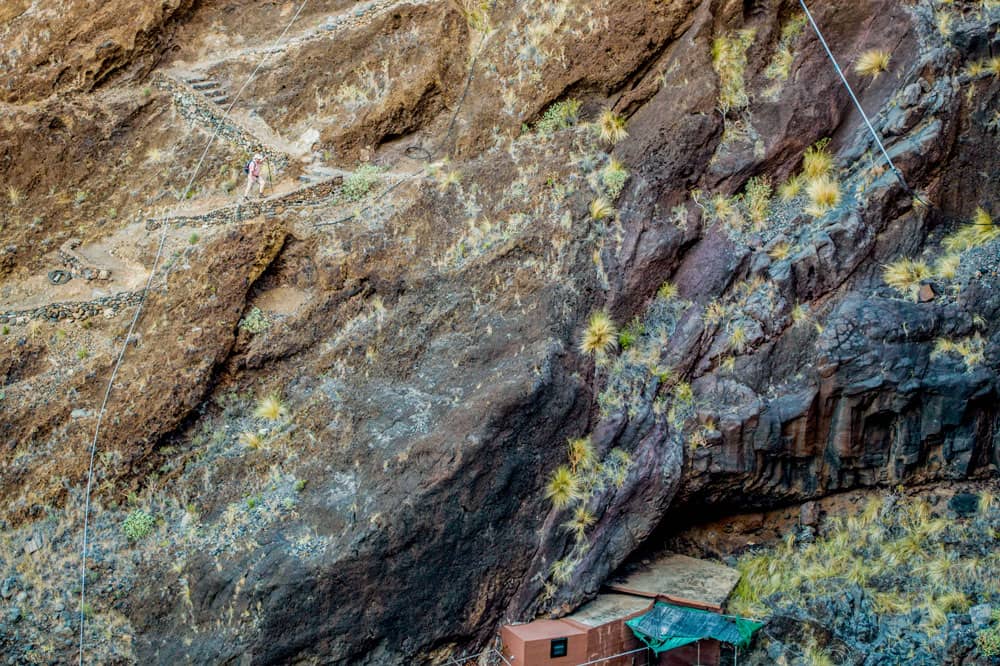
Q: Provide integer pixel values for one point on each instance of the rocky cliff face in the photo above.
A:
(789, 318)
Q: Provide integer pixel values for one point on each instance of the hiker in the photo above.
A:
(252, 170)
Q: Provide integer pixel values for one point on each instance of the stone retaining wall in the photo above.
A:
(109, 306)
(250, 209)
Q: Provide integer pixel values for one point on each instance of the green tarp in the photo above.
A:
(666, 627)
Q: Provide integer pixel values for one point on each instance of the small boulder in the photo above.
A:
(809, 513)
(927, 293)
(964, 504)
(981, 615)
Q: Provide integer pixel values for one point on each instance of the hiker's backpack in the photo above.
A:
(246, 167)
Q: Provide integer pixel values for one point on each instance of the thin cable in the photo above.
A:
(854, 97)
(131, 330)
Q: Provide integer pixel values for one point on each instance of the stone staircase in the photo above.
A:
(201, 100)
(210, 88)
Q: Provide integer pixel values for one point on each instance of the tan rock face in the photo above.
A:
(418, 321)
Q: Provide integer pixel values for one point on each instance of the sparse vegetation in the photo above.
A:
(872, 63)
(193, 239)
(359, 183)
(757, 196)
(729, 60)
(971, 350)
(781, 64)
(14, 196)
(988, 639)
(910, 565)
(600, 335)
(476, 14)
(980, 231)
(82, 353)
(138, 525)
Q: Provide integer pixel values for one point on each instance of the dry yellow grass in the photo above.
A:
(271, 408)
(979, 231)
(873, 63)
(780, 251)
(600, 336)
(562, 487)
(601, 208)
(611, 127)
(817, 162)
(905, 276)
(824, 195)
(946, 267)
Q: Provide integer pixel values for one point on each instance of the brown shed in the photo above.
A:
(544, 643)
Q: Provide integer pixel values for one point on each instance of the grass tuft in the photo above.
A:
(906, 275)
(271, 408)
(611, 127)
(757, 195)
(667, 291)
(601, 334)
(581, 454)
(873, 63)
(251, 439)
(824, 195)
(946, 267)
(563, 487)
(817, 161)
(600, 209)
(979, 232)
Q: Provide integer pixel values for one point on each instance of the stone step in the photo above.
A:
(220, 99)
(191, 80)
(205, 85)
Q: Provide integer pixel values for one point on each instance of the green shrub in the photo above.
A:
(560, 115)
(255, 321)
(988, 639)
(614, 176)
(357, 185)
(138, 525)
